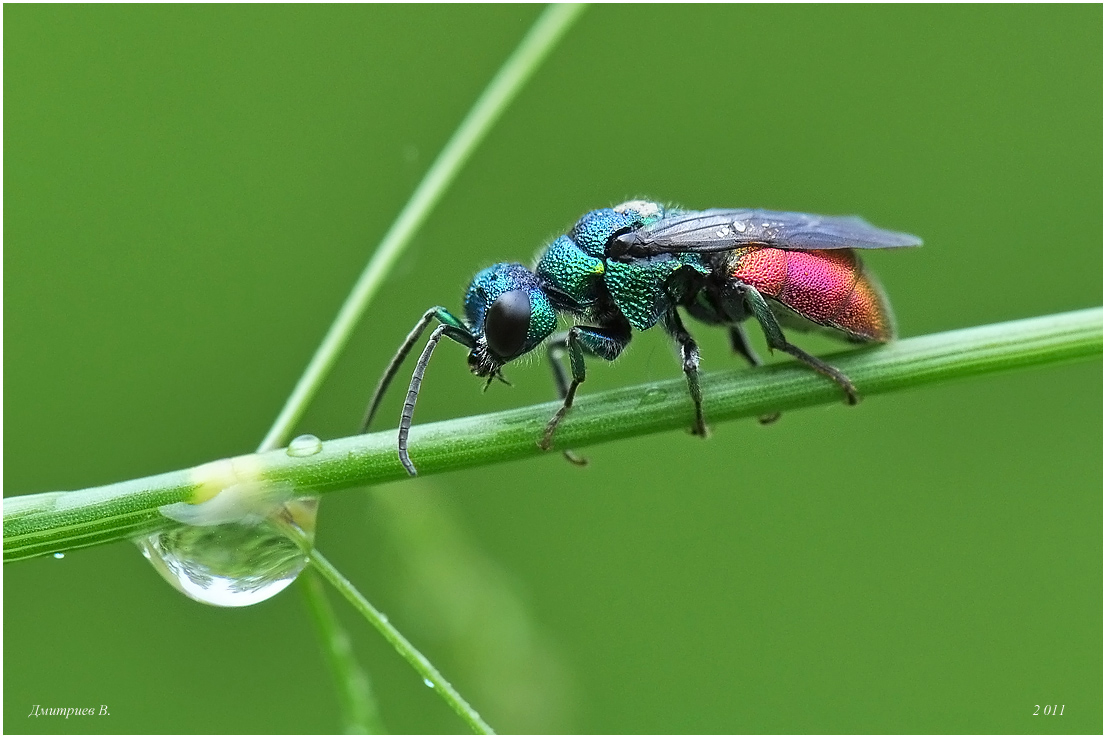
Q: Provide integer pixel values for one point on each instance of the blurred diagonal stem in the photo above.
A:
(52, 522)
(361, 715)
(535, 46)
(359, 705)
(431, 676)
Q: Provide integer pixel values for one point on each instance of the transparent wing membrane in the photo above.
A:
(721, 230)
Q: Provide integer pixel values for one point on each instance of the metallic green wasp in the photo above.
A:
(632, 266)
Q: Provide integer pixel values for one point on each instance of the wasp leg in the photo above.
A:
(690, 357)
(775, 337)
(555, 350)
(606, 342)
(740, 343)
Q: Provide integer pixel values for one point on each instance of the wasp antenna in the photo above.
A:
(394, 367)
(413, 395)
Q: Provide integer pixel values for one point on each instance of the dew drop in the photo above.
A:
(653, 395)
(59, 555)
(304, 445)
(739, 226)
(237, 562)
(428, 683)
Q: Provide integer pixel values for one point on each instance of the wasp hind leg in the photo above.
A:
(606, 342)
(773, 334)
(740, 343)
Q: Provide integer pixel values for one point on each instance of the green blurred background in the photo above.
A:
(190, 192)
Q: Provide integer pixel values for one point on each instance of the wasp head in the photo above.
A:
(508, 314)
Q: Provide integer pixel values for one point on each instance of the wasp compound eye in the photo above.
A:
(507, 322)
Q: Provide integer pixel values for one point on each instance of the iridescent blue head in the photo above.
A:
(508, 315)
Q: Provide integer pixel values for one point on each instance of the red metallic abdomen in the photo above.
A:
(828, 287)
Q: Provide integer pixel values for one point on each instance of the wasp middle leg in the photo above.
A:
(690, 358)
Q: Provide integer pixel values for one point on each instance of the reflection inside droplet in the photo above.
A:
(235, 553)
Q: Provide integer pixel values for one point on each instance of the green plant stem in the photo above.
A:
(360, 713)
(49, 522)
(514, 73)
(414, 657)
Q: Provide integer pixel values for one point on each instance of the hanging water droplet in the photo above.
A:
(304, 445)
(428, 683)
(59, 555)
(236, 549)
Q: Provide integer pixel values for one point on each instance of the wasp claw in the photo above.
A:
(573, 458)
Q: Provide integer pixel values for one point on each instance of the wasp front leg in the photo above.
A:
(606, 342)
(775, 336)
(690, 359)
(555, 350)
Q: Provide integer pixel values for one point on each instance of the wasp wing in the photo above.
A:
(722, 230)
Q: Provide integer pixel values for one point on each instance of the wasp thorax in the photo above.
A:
(507, 322)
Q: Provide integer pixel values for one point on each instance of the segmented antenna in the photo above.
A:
(413, 395)
(394, 367)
